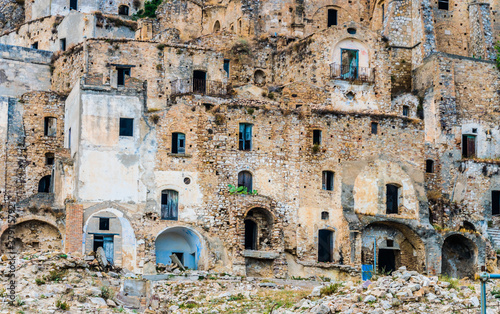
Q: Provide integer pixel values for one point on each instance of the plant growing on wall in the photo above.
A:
(497, 48)
(240, 190)
(149, 10)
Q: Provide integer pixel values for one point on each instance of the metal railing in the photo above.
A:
(197, 86)
(351, 73)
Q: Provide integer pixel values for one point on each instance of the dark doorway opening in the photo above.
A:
(495, 202)
(468, 146)
(386, 260)
(106, 242)
(180, 256)
(325, 246)
(392, 199)
(199, 82)
(250, 235)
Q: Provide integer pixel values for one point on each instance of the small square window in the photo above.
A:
(34, 45)
(374, 128)
(126, 127)
(390, 243)
(49, 159)
(444, 5)
(103, 223)
(325, 215)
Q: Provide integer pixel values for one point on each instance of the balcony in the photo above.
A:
(198, 86)
(351, 73)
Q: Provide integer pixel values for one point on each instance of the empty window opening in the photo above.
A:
(474, 131)
(226, 66)
(332, 17)
(429, 166)
(374, 128)
(392, 199)
(386, 260)
(50, 126)
(406, 111)
(495, 202)
(34, 45)
(468, 146)
(123, 10)
(122, 74)
(250, 235)
(169, 204)
(383, 13)
(389, 242)
(44, 184)
(351, 31)
(468, 226)
(316, 137)
(62, 43)
(49, 159)
(328, 180)
(325, 246)
(245, 179)
(73, 4)
(217, 27)
(245, 136)
(199, 82)
(259, 77)
(126, 127)
(178, 143)
(349, 64)
(444, 5)
(180, 256)
(69, 138)
(325, 215)
(103, 223)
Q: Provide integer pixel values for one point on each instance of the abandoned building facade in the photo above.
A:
(260, 138)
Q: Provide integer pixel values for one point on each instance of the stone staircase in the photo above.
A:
(494, 234)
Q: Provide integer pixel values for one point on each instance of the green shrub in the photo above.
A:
(330, 289)
(106, 293)
(63, 305)
(150, 8)
(39, 281)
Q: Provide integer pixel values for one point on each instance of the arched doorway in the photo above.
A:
(396, 245)
(31, 235)
(217, 27)
(458, 257)
(259, 225)
(182, 242)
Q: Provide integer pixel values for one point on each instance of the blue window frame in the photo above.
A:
(245, 136)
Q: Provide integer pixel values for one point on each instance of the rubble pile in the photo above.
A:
(57, 283)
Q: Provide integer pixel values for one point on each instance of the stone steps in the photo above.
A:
(494, 234)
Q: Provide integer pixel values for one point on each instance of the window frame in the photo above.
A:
(317, 137)
(374, 128)
(245, 142)
(104, 223)
(126, 130)
(50, 126)
(335, 17)
(245, 178)
(466, 150)
(121, 73)
(165, 212)
(178, 138)
(328, 180)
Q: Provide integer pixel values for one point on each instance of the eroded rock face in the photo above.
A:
(11, 14)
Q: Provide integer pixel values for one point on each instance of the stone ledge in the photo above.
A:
(261, 254)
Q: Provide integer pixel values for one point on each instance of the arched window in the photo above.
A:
(259, 77)
(169, 204)
(392, 199)
(245, 179)
(217, 27)
(178, 143)
(123, 10)
(325, 246)
(44, 184)
(325, 215)
(250, 235)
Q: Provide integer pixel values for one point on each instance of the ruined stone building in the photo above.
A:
(259, 138)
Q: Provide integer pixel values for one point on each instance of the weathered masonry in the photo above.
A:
(264, 138)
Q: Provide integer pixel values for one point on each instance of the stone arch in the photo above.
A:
(31, 233)
(264, 221)
(397, 245)
(186, 243)
(124, 240)
(352, 43)
(459, 257)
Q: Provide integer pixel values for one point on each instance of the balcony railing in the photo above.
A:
(197, 86)
(351, 73)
